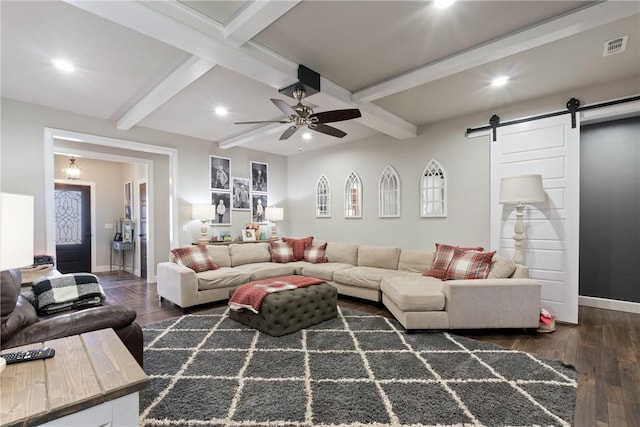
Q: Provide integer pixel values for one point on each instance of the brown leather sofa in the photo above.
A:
(21, 324)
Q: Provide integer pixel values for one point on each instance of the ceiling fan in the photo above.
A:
(301, 115)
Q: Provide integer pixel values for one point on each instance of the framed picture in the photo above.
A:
(240, 194)
(259, 177)
(219, 173)
(258, 204)
(248, 235)
(222, 201)
(128, 199)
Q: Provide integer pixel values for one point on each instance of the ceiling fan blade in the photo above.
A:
(336, 115)
(262, 121)
(287, 133)
(329, 130)
(284, 107)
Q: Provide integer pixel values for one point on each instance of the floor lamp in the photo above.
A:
(203, 213)
(520, 190)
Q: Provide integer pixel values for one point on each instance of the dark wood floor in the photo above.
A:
(604, 348)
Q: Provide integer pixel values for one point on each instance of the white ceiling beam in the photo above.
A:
(252, 135)
(177, 25)
(190, 70)
(568, 25)
(255, 18)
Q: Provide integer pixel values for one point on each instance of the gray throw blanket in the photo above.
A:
(67, 291)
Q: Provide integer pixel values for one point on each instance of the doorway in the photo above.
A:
(72, 204)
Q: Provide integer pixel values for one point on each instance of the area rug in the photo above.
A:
(355, 370)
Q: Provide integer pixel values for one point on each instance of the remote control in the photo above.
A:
(25, 356)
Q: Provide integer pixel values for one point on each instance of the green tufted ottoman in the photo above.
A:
(286, 312)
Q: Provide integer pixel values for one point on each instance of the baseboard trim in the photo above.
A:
(610, 304)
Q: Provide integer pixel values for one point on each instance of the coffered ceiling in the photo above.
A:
(168, 64)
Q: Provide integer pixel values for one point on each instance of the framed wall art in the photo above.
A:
(258, 204)
(128, 199)
(222, 202)
(240, 193)
(259, 177)
(219, 173)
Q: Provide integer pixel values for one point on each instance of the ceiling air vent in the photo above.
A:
(614, 46)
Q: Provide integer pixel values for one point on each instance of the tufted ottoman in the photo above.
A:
(286, 312)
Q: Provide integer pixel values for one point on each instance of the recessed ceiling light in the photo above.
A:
(306, 135)
(63, 65)
(221, 111)
(499, 81)
(441, 4)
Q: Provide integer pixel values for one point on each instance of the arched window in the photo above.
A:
(353, 197)
(323, 198)
(433, 191)
(389, 193)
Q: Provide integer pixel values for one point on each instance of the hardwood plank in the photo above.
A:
(29, 392)
(116, 371)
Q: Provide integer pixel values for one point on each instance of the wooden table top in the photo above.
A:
(87, 370)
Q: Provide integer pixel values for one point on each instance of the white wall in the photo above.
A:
(466, 162)
(22, 162)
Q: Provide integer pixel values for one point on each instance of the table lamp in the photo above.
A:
(16, 237)
(203, 213)
(274, 214)
(520, 190)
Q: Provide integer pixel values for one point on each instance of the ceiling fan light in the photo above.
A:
(306, 136)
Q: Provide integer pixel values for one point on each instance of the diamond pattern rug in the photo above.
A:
(355, 370)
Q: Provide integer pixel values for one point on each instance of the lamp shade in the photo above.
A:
(16, 240)
(203, 212)
(274, 214)
(521, 189)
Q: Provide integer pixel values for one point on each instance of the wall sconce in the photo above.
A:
(519, 190)
(73, 170)
(204, 213)
(274, 214)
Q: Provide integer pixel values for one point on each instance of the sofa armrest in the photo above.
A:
(492, 303)
(177, 283)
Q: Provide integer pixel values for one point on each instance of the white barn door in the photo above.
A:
(549, 147)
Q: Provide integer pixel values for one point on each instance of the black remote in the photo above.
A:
(25, 356)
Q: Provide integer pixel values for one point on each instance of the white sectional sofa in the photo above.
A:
(387, 275)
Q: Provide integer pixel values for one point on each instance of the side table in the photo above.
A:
(121, 248)
(91, 381)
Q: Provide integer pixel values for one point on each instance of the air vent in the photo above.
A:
(614, 46)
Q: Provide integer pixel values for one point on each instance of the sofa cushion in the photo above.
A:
(414, 293)
(316, 254)
(346, 253)
(365, 277)
(501, 268)
(378, 256)
(281, 252)
(323, 271)
(415, 261)
(469, 264)
(224, 277)
(194, 257)
(444, 254)
(266, 270)
(247, 253)
(220, 255)
(299, 245)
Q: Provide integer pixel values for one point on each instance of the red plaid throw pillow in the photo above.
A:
(469, 265)
(316, 254)
(195, 257)
(299, 245)
(444, 254)
(281, 252)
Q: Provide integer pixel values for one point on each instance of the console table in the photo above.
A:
(91, 381)
(121, 248)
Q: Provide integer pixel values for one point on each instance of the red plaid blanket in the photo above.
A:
(250, 295)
